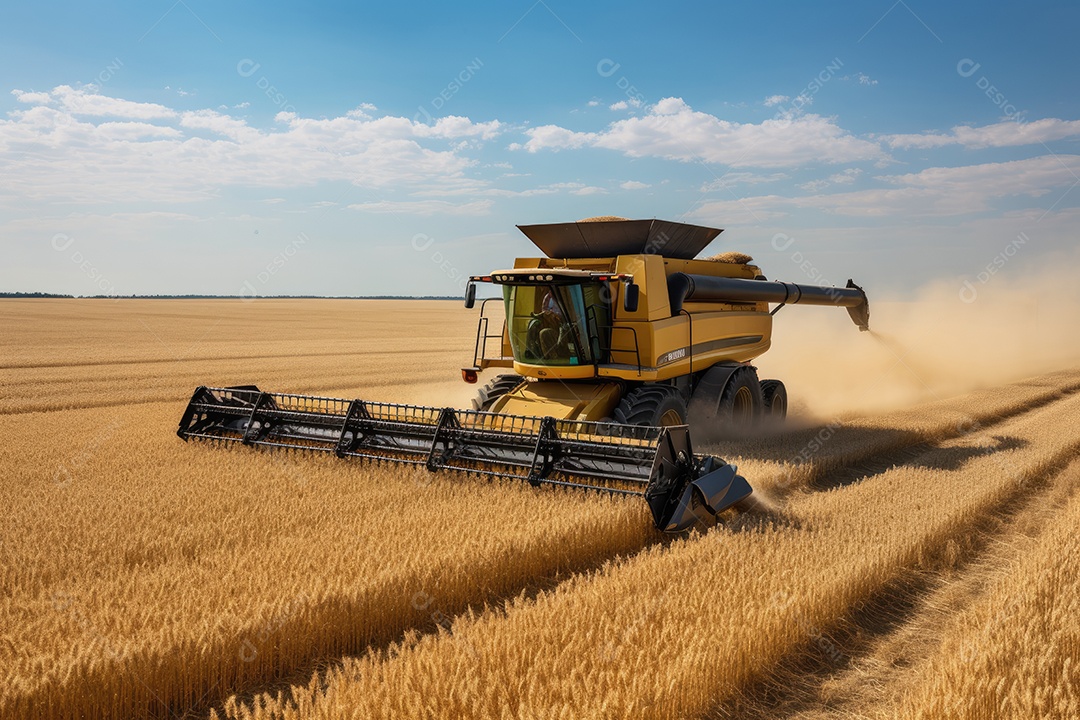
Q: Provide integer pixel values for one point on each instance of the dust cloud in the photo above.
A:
(948, 338)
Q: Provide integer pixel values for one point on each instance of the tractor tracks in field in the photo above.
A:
(861, 663)
(880, 448)
(915, 454)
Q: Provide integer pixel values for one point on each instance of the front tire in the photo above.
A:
(495, 389)
(652, 405)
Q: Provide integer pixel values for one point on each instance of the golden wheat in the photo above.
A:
(672, 633)
(145, 577)
(61, 354)
(143, 572)
(1015, 653)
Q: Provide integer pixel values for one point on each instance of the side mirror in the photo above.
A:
(470, 295)
(630, 297)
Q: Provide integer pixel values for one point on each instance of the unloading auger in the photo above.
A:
(617, 339)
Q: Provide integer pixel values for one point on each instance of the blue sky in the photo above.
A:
(339, 148)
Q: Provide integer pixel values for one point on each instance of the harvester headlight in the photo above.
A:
(549, 277)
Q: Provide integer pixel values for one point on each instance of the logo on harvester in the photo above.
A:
(670, 357)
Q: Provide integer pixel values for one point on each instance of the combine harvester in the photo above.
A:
(617, 339)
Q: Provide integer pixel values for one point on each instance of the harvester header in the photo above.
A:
(655, 463)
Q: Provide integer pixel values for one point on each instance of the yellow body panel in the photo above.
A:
(550, 372)
(683, 344)
(562, 401)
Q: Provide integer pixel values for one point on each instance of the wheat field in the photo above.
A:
(145, 577)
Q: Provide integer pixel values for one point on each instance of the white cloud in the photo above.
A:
(814, 185)
(454, 126)
(362, 111)
(621, 105)
(800, 101)
(58, 147)
(671, 129)
(425, 207)
(85, 101)
(135, 131)
(940, 191)
(480, 190)
(731, 179)
(593, 103)
(846, 177)
(774, 100)
(634, 185)
(1032, 177)
(555, 138)
(671, 106)
(742, 211)
(35, 98)
(225, 125)
(1007, 133)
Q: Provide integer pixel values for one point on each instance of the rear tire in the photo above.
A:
(653, 405)
(774, 401)
(741, 402)
(495, 389)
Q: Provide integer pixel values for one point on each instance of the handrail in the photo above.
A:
(637, 348)
(483, 335)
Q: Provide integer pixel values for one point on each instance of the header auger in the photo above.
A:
(621, 346)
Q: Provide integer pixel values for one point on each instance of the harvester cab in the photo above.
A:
(618, 343)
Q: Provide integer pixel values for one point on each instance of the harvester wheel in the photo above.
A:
(655, 405)
(741, 402)
(495, 389)
(774, 400)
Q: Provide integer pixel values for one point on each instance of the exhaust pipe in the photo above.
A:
(683, 288)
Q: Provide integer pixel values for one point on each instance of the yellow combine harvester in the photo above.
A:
(619, 321)
(617, 339)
